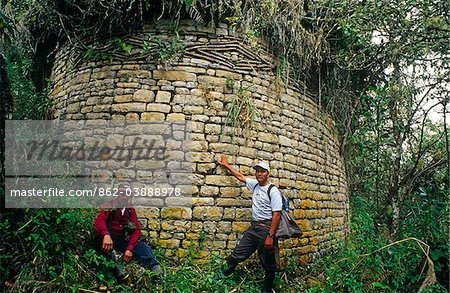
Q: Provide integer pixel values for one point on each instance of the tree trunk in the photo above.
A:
(447, 145)
(395, 173)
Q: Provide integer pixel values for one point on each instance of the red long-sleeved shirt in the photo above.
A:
(116, 224)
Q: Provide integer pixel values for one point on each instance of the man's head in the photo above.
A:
(262, 170)
(124, 194)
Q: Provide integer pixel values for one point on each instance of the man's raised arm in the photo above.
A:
(224, 162)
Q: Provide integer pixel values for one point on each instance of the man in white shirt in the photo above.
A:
(266, 212)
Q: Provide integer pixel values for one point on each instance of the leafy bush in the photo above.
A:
(45, 247)
(29, 103)
(370, 262)
(52, 250)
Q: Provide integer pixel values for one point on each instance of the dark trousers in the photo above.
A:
(253, 240)
(141, 252)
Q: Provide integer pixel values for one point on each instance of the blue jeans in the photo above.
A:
(253, 240)
(141, 252)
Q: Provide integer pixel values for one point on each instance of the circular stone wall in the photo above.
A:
(195, 75)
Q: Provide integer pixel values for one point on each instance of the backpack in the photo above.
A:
(287, 227)
(284, 199)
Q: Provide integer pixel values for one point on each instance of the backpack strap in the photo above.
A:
(268, 190)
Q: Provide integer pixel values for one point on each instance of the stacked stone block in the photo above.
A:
(291, 133)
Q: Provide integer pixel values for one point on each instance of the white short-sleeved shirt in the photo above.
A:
(262, 205)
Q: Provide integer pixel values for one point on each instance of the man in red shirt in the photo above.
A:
(111, 227)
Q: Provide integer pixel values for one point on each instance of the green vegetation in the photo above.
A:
(167, 50)
(39, 250)
(53, 250)
(242, 113)
(370, 262)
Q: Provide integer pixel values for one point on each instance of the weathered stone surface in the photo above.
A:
(154, 224)
(132, 116)
(123, 98)
(175, 225)
(245, 161)
(208, 213)
(206, 168)
(175, 117)
(163, 97)
(220, 147)
(148, 213)
(73, 108)
(202, 158)
(229, 74)
(93, 116)
(174, 75)
(209, 191)
(197, 126)
(244, 214)
(202, 201)
(155, 107)
(133, 85)
(153, 116)
(92, 100)
(212, 128)
(193, 109)
(247, 152)
(129, 107)
(199, 146)
(219, 180)
(229, 191)
(209, 80)
(229, 213)
(240, 227)
(233, 202)
(150, 165)
(176, 213)
(267, 137)
(144, 96)
(82, 78)
(169, 243)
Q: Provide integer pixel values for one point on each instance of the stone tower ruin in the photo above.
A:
(195, 74)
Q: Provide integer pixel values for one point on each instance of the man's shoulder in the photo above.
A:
(251, 180)
(273, 189)
(251, 183)
(273, 186)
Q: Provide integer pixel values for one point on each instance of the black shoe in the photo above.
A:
(265, 290)
(121, 274)
(157, 276)
(157, 279)
(219, 275)
(230, 267)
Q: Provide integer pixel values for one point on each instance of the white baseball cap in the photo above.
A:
(263, 165)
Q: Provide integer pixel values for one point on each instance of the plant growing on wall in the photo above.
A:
(167, 50)
(93, 54)
(162, 49)
(122, 46)
(242, 112)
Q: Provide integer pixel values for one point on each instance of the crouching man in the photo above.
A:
(111, 228)
(260, 235)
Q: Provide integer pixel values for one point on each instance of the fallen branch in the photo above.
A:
(87, 290)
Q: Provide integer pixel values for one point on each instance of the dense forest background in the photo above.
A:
(380, 68)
